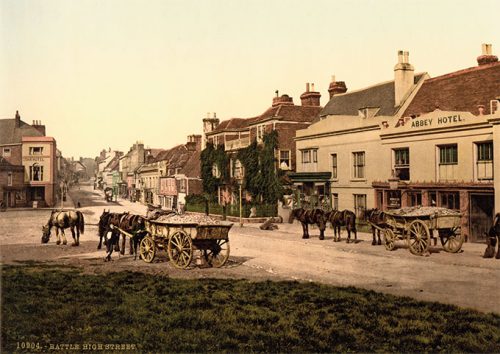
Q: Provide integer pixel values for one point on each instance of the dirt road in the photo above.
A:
(464, 279)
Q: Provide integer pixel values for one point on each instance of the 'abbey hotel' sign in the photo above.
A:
(444, 120)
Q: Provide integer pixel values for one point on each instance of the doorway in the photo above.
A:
(481, 215)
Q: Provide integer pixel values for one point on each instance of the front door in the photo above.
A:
(481, 215)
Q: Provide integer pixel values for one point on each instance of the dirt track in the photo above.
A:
(464, 279)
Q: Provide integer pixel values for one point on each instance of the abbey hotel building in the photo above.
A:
(414, 140)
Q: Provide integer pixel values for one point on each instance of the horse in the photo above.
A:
(493, 238)
(130, 223)
(342, 218)
(375, 217)
(62, 220)
(309, 217)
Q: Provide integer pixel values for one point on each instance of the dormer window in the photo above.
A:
(368, 112)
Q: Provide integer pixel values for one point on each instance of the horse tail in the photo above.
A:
(81, 222)
(496, 219)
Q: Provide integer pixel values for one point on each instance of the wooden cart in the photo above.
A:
(180, 240)
(418, 225)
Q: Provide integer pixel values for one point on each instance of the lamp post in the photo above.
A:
(241, 220)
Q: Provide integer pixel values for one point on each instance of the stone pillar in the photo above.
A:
(425, 198)
(465, 211)
(404, 198)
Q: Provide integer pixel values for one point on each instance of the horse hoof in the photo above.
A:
(379, 243)
(321, 238)
(374, 243)
(58, 242)
(305, 236)
(65, 243)
(99, 247)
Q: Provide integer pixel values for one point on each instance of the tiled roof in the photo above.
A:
(10, 134)
(281, 112)
(463, 90)
(114, 163)
(381, 95)
(192, 167)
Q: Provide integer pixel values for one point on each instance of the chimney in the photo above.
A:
(37, 124)
(310, 97)
(336, 87)
(487, 56)
(194, 143)
(209, 125)
(283, 100)
(404, 78)
(17, 120)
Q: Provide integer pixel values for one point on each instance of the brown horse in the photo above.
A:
(62, 220)
(375, 217)
(344, 218)
(130, 223)
(309, 217)
(493, 238)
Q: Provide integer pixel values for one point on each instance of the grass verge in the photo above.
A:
(47, 306)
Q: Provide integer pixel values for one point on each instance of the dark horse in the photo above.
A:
(309, 217)
(62, 220)
(130, 223)
(344, 218)
(375, 217)
(493, 238)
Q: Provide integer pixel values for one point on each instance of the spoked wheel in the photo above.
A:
(418, 237)
(147, 249)
(451, 239)
(180, 249)
(218, 253)
(389, 239)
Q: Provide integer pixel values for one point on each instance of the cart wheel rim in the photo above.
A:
(389, 239)
(218, 254)
(147, 249)
(418, 237)
(180, 249)
(453, 241)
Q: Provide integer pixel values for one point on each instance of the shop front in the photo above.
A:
(311, 189)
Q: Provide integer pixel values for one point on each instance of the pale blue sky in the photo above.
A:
(105, 73)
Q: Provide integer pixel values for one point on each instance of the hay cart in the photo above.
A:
(180, 236)
(418, 225)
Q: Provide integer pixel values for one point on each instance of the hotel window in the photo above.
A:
(448, 154)
(36, 150)
(359, 204)
(236, 169)
(450, 200)
(484, 163)
(6, 152)
(215, 171)
(285, 159)
(9, 179)
(358, 164)
(335, 201)
(310, 156)
(402, 163)
(334, 166)
(36, 172)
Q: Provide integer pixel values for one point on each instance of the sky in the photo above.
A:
(106, 73)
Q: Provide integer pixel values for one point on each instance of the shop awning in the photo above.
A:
(310, 176)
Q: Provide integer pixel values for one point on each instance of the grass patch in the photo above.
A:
(160, 314)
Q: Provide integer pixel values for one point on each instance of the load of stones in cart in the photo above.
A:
(423, 211)
(199, 219)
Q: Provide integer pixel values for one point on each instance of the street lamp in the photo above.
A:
(241, 220)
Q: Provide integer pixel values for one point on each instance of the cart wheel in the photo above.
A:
(451, 239)
(418, 237)
(218, 253)
(180, 249)
(389, 239)
(147, 249)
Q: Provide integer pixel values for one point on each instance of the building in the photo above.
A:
(435, 146)
(283, 117)
(25, 147)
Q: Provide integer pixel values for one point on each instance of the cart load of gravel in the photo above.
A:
(199, 219)
(423, 211)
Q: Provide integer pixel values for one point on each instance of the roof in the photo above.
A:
(381, 95)
(192, 168)
(462, 91)
(7, 166)
(10, 134)
(285, 112)
(114, 163)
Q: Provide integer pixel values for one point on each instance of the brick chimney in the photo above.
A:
(283, 100)
(336, 87)
(194, 143)
(37, 124)
(310, 97)
(404, 78)
(17, 120)
(487, 56)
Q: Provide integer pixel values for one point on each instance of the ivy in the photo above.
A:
(210, 156)
(261, 179)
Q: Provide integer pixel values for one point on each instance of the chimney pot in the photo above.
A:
(400, 56)
(487, 56)
(312, 87)
(333, 78)
(481, 109)
(307, 87)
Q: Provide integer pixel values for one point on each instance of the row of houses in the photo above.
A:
(160, 177)
(412, 140)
